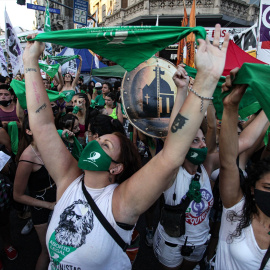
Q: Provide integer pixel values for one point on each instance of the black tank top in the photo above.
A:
(39, 179)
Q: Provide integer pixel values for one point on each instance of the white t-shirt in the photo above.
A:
(197, 214)
(75, 237)
(241, 252)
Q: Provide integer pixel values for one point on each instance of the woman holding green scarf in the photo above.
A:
(108, 168)
(68, 84)
(183, 247)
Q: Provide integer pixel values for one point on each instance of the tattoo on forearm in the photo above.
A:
(30, 69)
(42, 107)
(178, 122)
(37, 95)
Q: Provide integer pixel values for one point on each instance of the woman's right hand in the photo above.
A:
(33, 49)
(238, 90)
(181, 78)
(66, 131)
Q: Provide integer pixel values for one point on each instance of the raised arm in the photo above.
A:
(211, 129)
(181, 80)
(252, 132)
(74, 83)
(139, 192)
(61, 80)
(230, 191)
(59, 162)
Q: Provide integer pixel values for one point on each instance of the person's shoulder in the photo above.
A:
(27, 154)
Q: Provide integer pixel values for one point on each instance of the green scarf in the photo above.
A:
(62, 59)
(77, 148)
(19, 89)
(133, 44)
(51, 70)
(247, 106)
(14, 136)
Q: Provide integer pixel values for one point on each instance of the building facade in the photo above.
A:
(235, 13)
(61, 21)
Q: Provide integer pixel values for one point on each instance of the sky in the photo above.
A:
(18, 15)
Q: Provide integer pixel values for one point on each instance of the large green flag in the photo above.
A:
(127, 46)
(61, 59)
(19, 89)
(47, 25)
(248, 105)
(51, 70)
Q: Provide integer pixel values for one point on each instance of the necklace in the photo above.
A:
(42, 164)
(266, 229)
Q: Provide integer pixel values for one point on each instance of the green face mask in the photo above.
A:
(99, 92)
(94, 158)
(196, 155)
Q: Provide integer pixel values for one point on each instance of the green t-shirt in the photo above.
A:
(100, 101)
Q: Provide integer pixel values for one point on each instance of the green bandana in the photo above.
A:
(76, 109)
(77, 148)
(47, 24)
(247, 106)
(14, 136)
(51, 70)
(68, 95)
(62, 59)
(257, 77)
(94, 158)
(19, 89)
(92, 104)
(135, 44)
(196, 155)
(194, 192)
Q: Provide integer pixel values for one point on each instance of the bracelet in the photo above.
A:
(201, 97)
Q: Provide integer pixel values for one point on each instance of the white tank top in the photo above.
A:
(197, 214)
(75, 237)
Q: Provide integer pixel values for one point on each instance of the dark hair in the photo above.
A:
(70, 76)
(67, 121)
(112, 96)
(5, 87)
(103, 124)
(129, 157)
(116, 85)
(109, 86)
(255, 173)
(25, 139)
(2, 79)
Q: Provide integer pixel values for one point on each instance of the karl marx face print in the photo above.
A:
(75, 223)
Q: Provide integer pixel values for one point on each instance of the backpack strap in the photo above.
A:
(265, 259)
(104, 222)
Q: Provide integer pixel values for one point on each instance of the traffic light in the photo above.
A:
(21, 2)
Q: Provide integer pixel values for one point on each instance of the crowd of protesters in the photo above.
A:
(211, 177)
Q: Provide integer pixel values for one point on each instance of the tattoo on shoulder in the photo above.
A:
(178, 122)
(42, 107)
(30, 69)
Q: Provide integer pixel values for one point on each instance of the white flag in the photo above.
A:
(13, 47)
(263, 51)
(3, 63)
(96, 61)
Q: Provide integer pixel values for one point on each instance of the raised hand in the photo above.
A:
(33, 49)
(209, 58)
(180, 77)
(238, 90)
